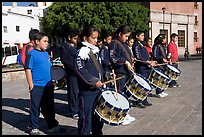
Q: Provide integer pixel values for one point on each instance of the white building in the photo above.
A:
(17, 21)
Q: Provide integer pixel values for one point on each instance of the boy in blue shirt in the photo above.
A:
(37, 69)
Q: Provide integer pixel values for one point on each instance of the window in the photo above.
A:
(196, 20)
(165, 32)
(17, 28)
(8, 51)
(181, 38)
(29, 11)
(5, 29)
(195, 5)
(195, 37)
(14, 50)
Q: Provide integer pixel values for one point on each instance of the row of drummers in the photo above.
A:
(150, 72)
(138, 73)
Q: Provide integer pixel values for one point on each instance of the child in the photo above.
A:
(186, 54)
(148, 47)
(37, 69)
(130, 43)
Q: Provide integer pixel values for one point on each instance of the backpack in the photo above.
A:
(24, 51)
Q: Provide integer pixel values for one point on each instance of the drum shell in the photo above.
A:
(159, 80)
(108, 113)
(168, 70)
(135, 90)
(58, 76)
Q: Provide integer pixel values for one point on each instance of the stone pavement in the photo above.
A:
(179, 113)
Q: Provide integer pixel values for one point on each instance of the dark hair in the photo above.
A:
(124, 29)
(173, 35)
(159, 39)
(138, 33)
(39, 36)
(87, 31)
(106, 35)
(129, 38)
(73, 33)
(32, 32)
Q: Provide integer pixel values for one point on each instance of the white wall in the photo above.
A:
(174, 22)
(18, 16)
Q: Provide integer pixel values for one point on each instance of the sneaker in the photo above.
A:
(75, 116)
(54, 129)
(35, 131)
(130, 118)
(126, 122)
(162, 95)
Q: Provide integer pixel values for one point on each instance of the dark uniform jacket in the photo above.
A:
(105, 57)
(87, 73)
(159, 53)
(67, 54)
(119, 53)
(140, 53)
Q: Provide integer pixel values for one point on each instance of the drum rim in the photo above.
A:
(174, 67)
(115, 108)
(162, 73)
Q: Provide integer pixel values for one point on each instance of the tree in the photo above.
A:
(106, 16)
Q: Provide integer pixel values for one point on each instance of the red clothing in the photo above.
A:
(172, 48)
(149, 50)
(26, 48)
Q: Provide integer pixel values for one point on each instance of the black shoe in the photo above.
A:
(140, 105)
(177, 85)
(146, 103)
(171, 86)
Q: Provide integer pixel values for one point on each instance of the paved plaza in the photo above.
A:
(180, 113)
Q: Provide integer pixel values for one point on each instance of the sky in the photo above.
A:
(19, 3)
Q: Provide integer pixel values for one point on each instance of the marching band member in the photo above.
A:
(159, 55)
(105, 55)
(121, 60)
(90, 82)
(67, 53)
(140, 53)
(172, 50)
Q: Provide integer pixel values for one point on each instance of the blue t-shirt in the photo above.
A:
(39, 63)
(19, 59)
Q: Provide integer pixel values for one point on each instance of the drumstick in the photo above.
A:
(113, 80)
(162, 64)
(115, 85)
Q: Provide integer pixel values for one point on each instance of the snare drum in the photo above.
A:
(109, 110)
(172, 72)
(58, 76)
(159, 80)
(137, 87)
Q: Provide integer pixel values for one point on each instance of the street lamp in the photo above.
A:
(163, 9)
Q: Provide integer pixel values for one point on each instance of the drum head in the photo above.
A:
(173, 68)
(163, 75)
(122, 102)
(142, 82)
(57, 73)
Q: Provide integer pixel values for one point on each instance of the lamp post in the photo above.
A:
(163, 9)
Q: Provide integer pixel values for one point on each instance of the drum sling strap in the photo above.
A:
(127, 54)
(98, 67)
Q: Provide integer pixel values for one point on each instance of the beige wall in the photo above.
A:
(178, 16)
(173, 7)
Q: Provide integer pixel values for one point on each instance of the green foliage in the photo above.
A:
(106, 16)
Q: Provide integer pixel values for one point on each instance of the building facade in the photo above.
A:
(179, 18)
(17, 21)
